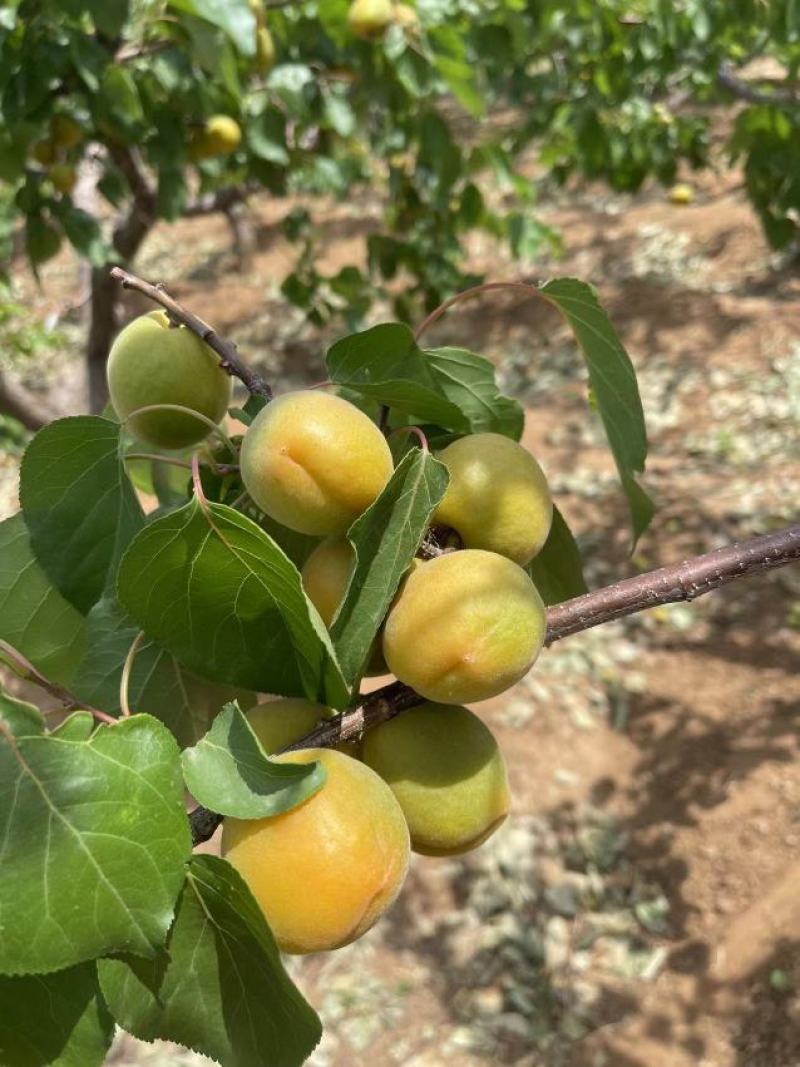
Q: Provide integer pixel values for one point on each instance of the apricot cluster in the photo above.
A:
(464, 626)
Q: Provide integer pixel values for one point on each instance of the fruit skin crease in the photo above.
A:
(314, 462)
(464, 627)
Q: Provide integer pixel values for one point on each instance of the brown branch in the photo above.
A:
(667, 585)
(222, 200)
(744, 90)
(226, 350)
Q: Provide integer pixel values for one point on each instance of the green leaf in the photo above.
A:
(221, 989)
(19, 717)
(557, 571)
(54, 1020)
(233, 17)
(229, 772)
(78, 504)
(450, 387)
(158, 685)
(34, 617)
(613, 381)
(42, 240)
(266, 136)
(221, 595)
(119, 100)
(94, 840)
(84, 233)
(385, 539)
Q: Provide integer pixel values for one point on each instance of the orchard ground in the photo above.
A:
(640, 908)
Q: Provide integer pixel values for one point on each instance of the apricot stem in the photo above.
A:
(127, 668)
(226, 350)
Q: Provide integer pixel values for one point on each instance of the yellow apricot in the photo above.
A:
(465, 626)
(369, 18)
(326, 870)
(279, 723)
(265, 50)
(498, 498)
(447, 772)
(314, 462)
(153, 363)
(325, 575)
(219, 136)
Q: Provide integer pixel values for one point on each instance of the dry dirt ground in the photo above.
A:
(641, 907)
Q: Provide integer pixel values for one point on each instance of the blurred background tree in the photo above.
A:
(120, 113)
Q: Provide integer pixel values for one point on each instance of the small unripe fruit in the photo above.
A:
(447, 772)
(152, 362)
(325, 575)
(314, 462)
(498, 498)
(369, 18)
(326, 870)
(219, 137)
(464, 627)
(265, 51)
(44, 151)
(65, 131)
(279, 723)
(63, 177)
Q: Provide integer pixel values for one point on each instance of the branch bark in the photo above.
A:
(668, 585)
(226, 350)
(743, 90)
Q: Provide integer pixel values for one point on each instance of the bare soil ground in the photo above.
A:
(641, 906)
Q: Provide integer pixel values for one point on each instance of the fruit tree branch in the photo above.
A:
(744, 90)
(226, 350)
(667, 585)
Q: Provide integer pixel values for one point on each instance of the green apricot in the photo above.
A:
(153, 363)
(447, 772)
(498, 498)
(464, 627)
(313, 462)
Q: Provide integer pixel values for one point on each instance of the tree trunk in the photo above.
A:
(20, 405)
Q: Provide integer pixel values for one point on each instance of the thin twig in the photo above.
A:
(25, 670)
(226, 350)
(667, 585)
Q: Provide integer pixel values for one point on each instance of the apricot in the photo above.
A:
(45, 151)
(369, 18)
(325, 576)
(313, 462)
(405, 16)
(63, 176)
(445, 768)
(65, 131)
(153, 363)
(464, 626)
(498, 498)
(219, 136)
(326, 870)
(279, 723)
